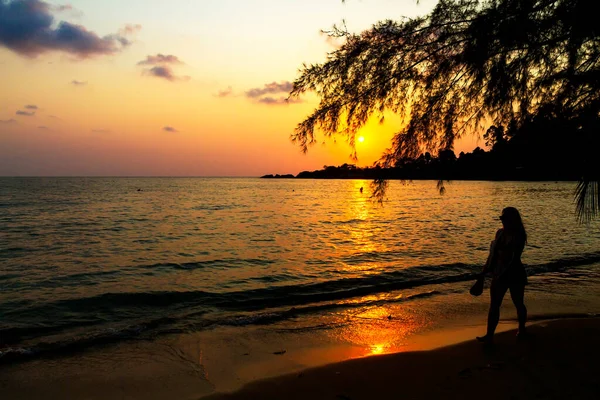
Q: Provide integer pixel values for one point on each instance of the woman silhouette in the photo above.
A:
(508, 273)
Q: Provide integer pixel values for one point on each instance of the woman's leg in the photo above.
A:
(517, 293)
(497, 292)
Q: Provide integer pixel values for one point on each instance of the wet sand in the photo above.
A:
(560, 360)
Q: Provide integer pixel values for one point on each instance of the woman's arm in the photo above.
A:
(489, 263)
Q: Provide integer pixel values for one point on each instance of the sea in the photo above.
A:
(89, 263)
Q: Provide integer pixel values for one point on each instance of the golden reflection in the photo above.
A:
(380, 330)
(378, 349)
(361, 233)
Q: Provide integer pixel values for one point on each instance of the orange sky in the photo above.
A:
(179, 88)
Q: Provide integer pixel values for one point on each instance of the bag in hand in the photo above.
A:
(477, 287)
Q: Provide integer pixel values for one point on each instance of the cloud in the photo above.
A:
(25, 113)
(8, 121)
(130, 29)
(31, 107)
(100, 131)
(64, 7)
(162, 72)
(170, 129)
(225, 93)
(160, 59)
(266, 94)
(165, 72)
(67, 8)
(161, 67)
(43, 127)
(28, 28)
(75, 82)
(278, 101)
(270, 88)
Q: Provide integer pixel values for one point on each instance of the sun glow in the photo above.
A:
(361, 139)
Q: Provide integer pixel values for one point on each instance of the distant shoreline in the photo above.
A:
(290, 176)
(399, 174)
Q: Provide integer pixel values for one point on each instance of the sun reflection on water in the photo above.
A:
(379, 330)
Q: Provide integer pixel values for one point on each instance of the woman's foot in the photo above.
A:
(486, 339)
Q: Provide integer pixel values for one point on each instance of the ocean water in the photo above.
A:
(86, 262)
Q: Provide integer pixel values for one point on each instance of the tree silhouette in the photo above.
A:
(468, 62)
(494, 137)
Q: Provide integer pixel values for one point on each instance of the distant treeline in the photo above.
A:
(542, 150)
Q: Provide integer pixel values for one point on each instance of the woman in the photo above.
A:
(508, 273)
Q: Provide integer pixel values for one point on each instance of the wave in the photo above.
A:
(111, 317)
(261, 298)
(170, 325)
(93, 277)
(74, 344)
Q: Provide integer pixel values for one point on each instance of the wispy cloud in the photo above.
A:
(67, 8)
(268, 94)
(160, 59)
(25, 113)
(31, 107)
(161, 66)
(162, 71)
(170, 129)
(75, 82)
(8, 121)
(225, 93)
(130, 29)
(278, 100)
(63, 7)
(100, 131)
(29, 29)
(270, 88)
(44, 128)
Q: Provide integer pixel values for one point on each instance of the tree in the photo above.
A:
(466, 63)
(494, 137)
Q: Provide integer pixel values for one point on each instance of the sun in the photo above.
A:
(361, 139)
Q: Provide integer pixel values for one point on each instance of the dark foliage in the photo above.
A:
(468, 64)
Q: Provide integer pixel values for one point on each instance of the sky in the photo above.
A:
(172, 88)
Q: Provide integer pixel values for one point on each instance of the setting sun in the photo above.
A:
(361, 139)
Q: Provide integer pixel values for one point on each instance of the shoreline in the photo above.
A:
(449, 358)
(555, 361)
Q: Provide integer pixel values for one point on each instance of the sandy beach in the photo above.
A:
(558, 361)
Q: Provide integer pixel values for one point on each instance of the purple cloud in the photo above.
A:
(67, 8)
(44, 128)
(160, 59)
(162, 71)
(31, 107)
(161, 67)
(75, 82)
(225, 93)
(278, 101)
(25, 113)
(64, 7)
(130, 29)
(8, 121)
(100, 131)
(270, 88)
(170, 129)
(27, 27)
